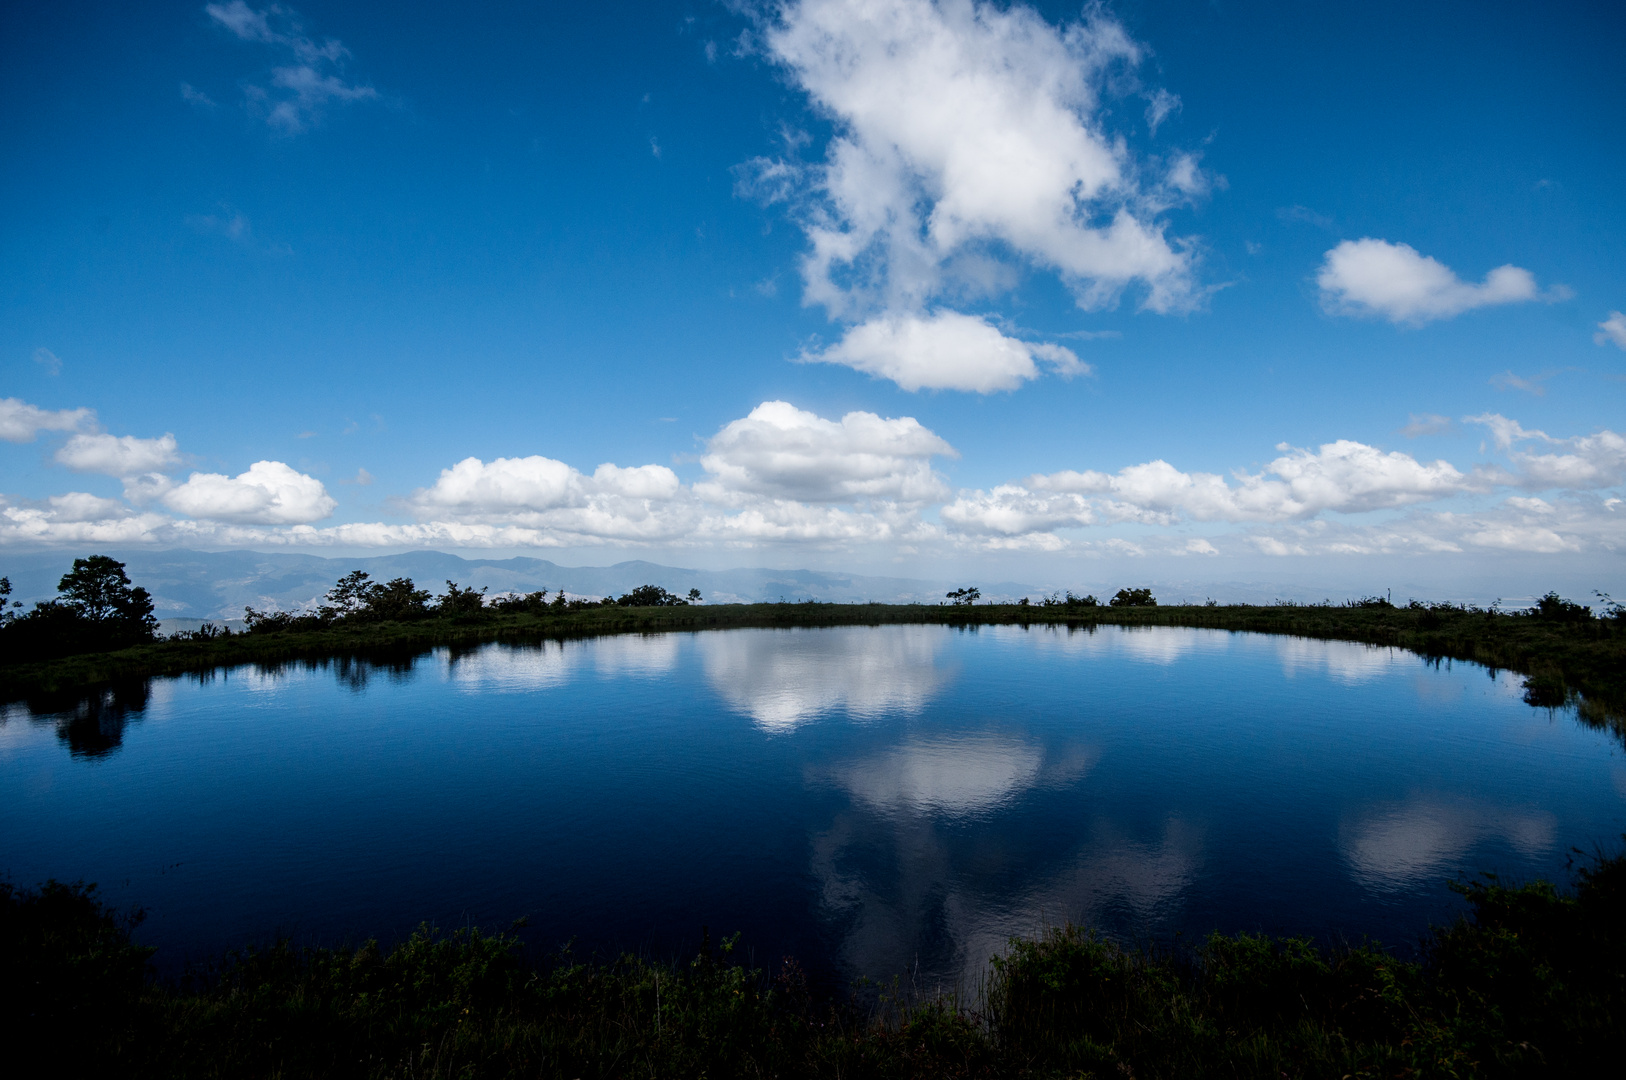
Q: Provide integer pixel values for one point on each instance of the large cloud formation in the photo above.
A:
(970, 142)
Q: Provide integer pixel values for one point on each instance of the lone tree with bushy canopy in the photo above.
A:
(1133, 598)
(99, 591)
(653, 596)
(97, 609)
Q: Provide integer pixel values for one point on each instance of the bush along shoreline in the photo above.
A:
(100, 633)
(1529, 982)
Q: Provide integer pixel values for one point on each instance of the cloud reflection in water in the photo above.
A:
(1348, 662)
(784, 678)
(513, 668)
(1401, 845)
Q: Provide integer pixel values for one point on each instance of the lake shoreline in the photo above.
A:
(1579, 662)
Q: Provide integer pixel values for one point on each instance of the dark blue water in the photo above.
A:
(873, 800)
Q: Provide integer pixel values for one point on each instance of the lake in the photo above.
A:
(880, 801)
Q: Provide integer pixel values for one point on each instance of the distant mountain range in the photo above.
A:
(199, 585)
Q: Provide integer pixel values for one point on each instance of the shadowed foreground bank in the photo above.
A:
(1532, 982)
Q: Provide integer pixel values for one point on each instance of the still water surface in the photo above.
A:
(873, 800)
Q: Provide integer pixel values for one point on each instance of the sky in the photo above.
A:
(1196, 292)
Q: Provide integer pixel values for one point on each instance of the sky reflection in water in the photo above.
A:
(876, 800)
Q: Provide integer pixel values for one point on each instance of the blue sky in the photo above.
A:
(1193, 291)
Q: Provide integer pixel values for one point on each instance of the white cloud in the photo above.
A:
(20, 422)
(1584, 463)
(1612, 330)
(78, 506)
(783, 452)
(1396, 282)
(789, 521)
(944, 350)
(646, 502)
(50, 361)
(474, 487)
(118, 455)
(970, 143)
(1344, 476)
(269, 493)
(963, 124)
(298, 92)
(1013, 510)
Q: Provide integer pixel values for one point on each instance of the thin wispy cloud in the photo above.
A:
(231, 224)
(1420, 424)
(1612, 331)
(1533, 385)
(310, 78)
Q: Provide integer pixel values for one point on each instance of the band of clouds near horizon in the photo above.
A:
(783, 474)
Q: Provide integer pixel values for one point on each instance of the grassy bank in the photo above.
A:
(1561, 659)
(1530, 983)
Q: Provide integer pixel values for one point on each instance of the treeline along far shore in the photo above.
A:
(101, 630)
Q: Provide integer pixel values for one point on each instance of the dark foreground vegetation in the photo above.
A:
(1530, 983)
(100, 633)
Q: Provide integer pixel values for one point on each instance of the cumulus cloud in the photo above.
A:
(969, 142)
(1344, 476)
(784, 452)
(775, 475)
(79, 506)
(21, 422)
(300, 90)
(1396, 282)
(118, 455)
(944, 350)
(1013, 510)
(645, 502)
(1612, 331)
(269, 493)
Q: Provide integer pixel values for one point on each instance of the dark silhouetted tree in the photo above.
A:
(464, 602)
(98, 589)
(650, 596)
(350, 594)
(6, 602)
(98, 609)
(397, 599)
(1133, 598)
